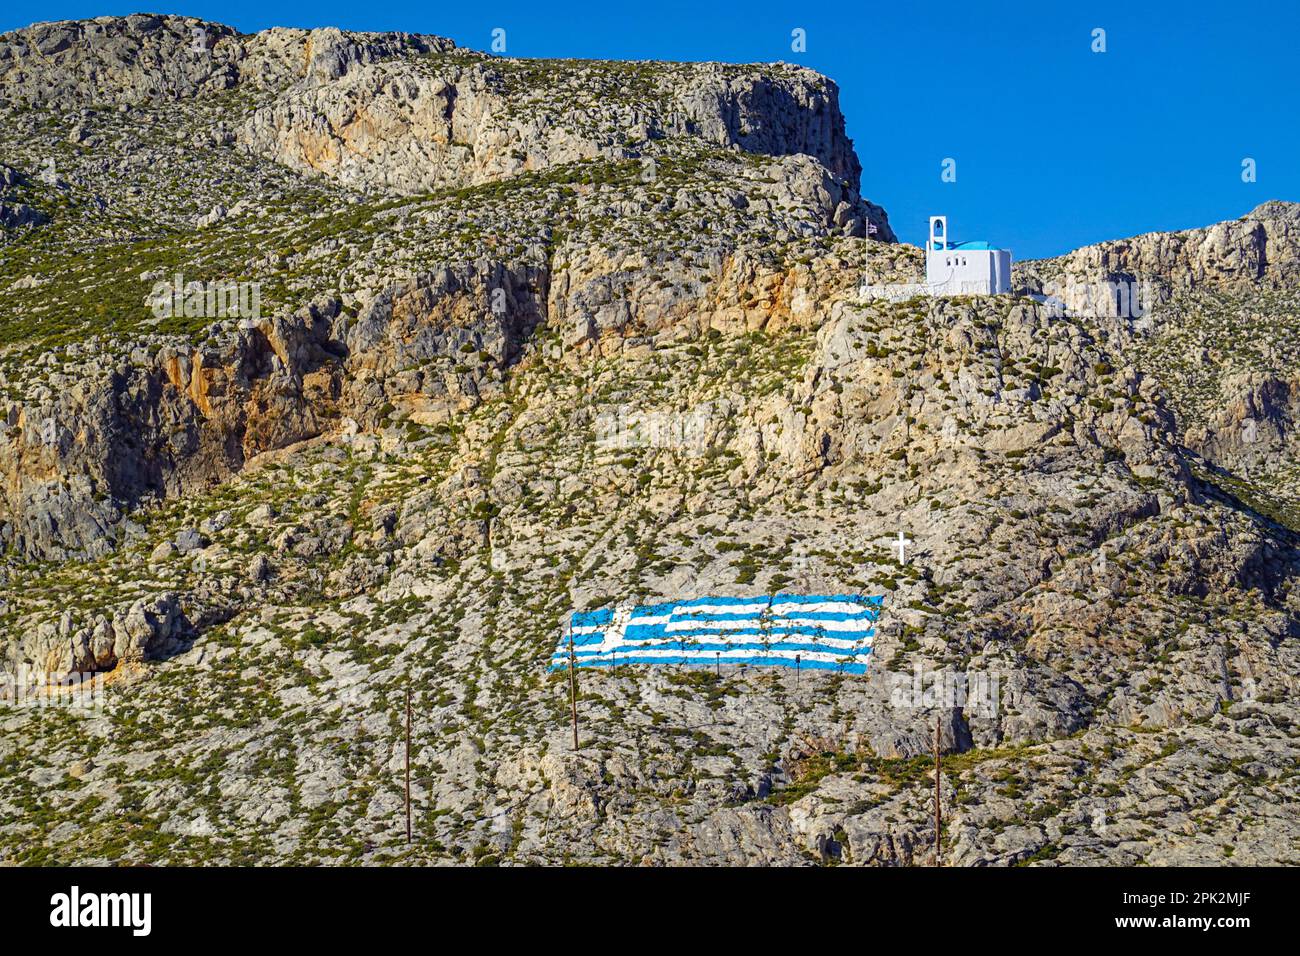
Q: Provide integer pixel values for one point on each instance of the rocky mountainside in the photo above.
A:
(518, 338)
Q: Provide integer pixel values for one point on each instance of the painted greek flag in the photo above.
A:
(826, 632)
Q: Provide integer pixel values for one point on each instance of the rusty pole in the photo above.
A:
(573, 692)
(938, 808)
(408, 763)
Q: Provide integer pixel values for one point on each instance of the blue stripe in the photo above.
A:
(811, 648)
(653, 610)
(827, 598)
(868, 614)
(846, 668)
(656, 632)
(777, 629)
(775, 633)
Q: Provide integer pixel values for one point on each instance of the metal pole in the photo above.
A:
(573, 692)
(408, 763)
(938, 807)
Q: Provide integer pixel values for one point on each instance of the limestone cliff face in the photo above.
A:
(80, 455)
(400, 113)
(143, 57)
(1254, 425)
(414, 126)
(1262, 248)
(1210, 312)
(404, 112)
(546, 336)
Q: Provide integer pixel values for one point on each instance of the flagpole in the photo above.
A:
(869, 229)
(938, 809)
(573, 690)
(408, 761)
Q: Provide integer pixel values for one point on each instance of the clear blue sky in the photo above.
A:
(1055, 146)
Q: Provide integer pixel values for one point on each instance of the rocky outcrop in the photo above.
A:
(1206, 311)
(392, 111)
(1255, 425)
(458, 121)
(149, 628)
(76, 459)
(439, 344)
(17, 215)
(1262, 248)
(142, 57)
(103, 440)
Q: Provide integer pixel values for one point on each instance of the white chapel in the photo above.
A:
(964, 268)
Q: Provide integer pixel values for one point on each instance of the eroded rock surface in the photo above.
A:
(536, 337)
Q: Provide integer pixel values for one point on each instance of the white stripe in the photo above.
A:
(611, 643)
(649, 619)
(851, 626)
(727, 655)
(780, 607)
(822, 607)
(757, 608)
